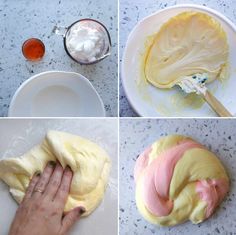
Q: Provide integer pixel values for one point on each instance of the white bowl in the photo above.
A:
(150, 101)
(56, 94)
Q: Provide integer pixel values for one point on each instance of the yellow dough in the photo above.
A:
(89, 163)
(189, 43)
(178, 179)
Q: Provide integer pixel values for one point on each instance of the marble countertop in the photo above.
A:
(24, 19)
(217, 135)
(132, 11)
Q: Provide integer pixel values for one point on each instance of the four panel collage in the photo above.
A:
(117, 117)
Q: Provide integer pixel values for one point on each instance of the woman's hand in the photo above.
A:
(41, 211)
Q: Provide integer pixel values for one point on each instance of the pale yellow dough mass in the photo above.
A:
(89, 163)
(189, 43)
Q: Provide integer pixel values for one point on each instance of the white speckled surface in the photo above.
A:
(218, 135)
(22, 19)
(132, 11)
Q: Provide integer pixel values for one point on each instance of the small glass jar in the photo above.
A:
(33, 49)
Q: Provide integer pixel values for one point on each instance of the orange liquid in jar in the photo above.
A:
(33, 49)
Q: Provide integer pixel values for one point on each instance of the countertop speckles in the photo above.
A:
(132, 11)
(24, 19)
(217, 135)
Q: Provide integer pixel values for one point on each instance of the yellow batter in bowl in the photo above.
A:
(189, 43)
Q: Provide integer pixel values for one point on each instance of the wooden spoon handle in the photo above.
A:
(216, 105)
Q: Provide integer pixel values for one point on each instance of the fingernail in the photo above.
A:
(37, 173)
(52, 164)
(81, 211)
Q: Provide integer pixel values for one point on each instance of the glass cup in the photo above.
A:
(104, 43)
(33, 49)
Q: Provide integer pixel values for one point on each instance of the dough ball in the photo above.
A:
(189, 43)
(178, 179)
(89, 162)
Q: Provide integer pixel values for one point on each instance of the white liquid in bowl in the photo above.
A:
(55, 101)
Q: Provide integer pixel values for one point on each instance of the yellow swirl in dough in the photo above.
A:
(189, 43)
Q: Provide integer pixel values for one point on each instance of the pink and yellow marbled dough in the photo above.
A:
(157, 175)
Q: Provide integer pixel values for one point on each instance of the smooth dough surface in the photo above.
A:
(178, 179)
(189, 43)
(89, 162)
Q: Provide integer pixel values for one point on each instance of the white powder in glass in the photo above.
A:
(85, 43)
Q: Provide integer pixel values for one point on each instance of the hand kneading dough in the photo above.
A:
(89, 163)
(178, 179)
(189, 43)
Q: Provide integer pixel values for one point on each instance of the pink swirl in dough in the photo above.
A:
(212, 191)
(157, 177)
(141, 162)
